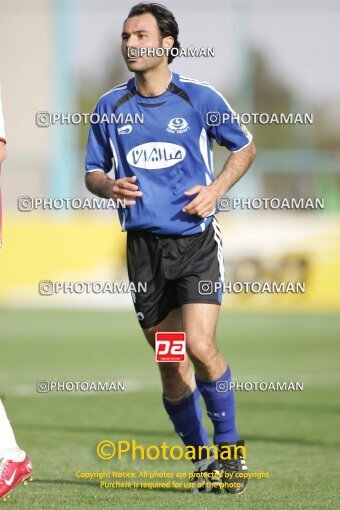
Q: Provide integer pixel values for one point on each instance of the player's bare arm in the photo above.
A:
(103, 186)
(2, 151)
(235, 167)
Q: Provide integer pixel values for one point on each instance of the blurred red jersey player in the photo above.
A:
(15, 466)
(2, 155)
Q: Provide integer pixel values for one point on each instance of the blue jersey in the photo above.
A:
(169, 150)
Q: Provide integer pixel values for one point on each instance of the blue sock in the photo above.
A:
(186, 417)
(220, 407)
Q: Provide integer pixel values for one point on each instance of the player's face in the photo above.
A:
(142, 32)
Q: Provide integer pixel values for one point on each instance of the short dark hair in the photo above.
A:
(165, 20)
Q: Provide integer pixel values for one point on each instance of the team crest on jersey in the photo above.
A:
(178, 125)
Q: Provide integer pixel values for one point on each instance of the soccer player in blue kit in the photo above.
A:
(162, 168)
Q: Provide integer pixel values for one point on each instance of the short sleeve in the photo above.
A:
(222, 123)
(98, 150)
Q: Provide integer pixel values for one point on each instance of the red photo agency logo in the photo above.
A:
(170, 347)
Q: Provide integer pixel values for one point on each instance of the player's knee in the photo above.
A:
(171, 369)
(203, 355)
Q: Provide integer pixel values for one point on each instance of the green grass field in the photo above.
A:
(292, 435)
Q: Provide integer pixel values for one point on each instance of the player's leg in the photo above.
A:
(181, 400)
(176, 377)
(199, 321)
(181, 397)
(15, 466)
(8, 445)
(213, 380)
(202, 260)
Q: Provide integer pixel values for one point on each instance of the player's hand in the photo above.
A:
(125, 189)
(205, 202)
